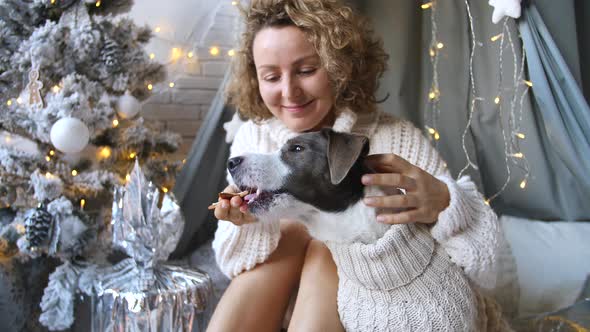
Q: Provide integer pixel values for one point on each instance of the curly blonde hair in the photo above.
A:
(353, 57)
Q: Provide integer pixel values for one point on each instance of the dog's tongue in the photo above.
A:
(250, 197)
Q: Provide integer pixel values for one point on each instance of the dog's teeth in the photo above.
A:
(258, 191)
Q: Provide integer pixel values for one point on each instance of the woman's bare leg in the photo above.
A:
(316, 308)
(256, 300)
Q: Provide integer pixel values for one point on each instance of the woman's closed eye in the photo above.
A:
(271, 78)
(307, 71)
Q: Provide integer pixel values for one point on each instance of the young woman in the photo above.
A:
(304, 65)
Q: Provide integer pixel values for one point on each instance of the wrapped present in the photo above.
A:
(141, 292)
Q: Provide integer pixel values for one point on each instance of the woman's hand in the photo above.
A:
(232, 209)
(426, 196)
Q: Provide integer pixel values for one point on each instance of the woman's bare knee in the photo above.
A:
(316, 307)
(256, 300)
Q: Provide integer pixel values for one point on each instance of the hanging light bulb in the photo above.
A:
(426, 5)
(523, 184)
(496, 37)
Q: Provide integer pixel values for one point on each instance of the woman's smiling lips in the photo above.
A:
(296, 108)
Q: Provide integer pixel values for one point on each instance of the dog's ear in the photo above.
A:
(343, 152)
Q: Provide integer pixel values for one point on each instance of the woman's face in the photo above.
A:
(293, 84)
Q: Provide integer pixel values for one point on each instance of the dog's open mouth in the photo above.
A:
(258, 198)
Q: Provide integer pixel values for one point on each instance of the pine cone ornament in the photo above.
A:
(110, 54)
(38, 227)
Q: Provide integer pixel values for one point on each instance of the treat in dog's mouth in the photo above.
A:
(252, 196)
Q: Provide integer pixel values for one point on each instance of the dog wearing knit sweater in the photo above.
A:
(316, 178)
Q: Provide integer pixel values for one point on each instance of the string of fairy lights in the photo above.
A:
(178, 53)
(516, 94)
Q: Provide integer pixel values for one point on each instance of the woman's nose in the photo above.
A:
(291, 88)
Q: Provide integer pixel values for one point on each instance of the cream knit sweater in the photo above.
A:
(371, 276)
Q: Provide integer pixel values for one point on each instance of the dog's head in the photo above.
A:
(321, 169)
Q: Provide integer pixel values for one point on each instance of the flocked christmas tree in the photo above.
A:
(72, 77)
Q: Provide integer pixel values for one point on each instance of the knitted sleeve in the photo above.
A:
(240, 248)
(467, 229)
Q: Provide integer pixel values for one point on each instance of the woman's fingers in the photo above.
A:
(390, 179)
(405, 217)
(394, 201)
(233, 211)
(222, 209)
(388, 162)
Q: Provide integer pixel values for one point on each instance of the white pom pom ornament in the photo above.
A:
(128, 106)
(69, 135)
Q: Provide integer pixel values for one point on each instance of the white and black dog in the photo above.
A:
(314, 178)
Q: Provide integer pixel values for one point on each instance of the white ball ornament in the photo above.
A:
(69, 135)
(128, 106)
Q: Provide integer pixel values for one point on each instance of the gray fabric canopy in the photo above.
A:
(551, 193)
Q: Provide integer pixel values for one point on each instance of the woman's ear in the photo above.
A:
(343, 152)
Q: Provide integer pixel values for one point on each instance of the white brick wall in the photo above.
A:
(183, 107)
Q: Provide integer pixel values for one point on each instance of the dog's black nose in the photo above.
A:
(233, 163)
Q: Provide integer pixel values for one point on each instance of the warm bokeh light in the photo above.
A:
(426, 5)
(496, 37)
(105, 152)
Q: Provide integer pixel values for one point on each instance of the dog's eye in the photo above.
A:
(296, 148)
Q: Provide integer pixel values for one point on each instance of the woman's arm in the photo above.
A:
(465, 226)
(240, 248)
